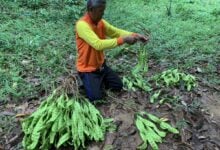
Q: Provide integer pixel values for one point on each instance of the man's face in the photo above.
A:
(97, 13)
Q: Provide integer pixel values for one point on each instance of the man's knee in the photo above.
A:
(119, 86)
(94, 97)
(116, 86)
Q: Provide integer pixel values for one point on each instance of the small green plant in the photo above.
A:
(155, 96)
(134, 82)
(194, 106)
(169, 8)
(173, 77)
(34, 4)
(182, 123)
(149, 132)
(174, 100)
(160, 97)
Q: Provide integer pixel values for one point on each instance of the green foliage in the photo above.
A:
(161, 97)
(169, 8)
(173, 77)
(37, 39)
(134, 82)
(183, 40)
(35, 48)
(34, 4)
(216, 12)
(155, 96)
(7, 125)
(194, 106)
(38, 4)
(182, 123)
(169, 79)
(173, 100)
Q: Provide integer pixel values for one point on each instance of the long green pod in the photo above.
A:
(142, 131)
(54, 114)
(61, 102)
(147, 123)
(153, 118)
(155, 96)
(81, 124)
(157, 138)
(65, 137)
(142, 146)
(151, 141)
(52, 137)
(168, 127)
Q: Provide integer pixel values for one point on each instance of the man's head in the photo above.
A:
(96, 9)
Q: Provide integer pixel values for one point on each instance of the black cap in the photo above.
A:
(95, 3)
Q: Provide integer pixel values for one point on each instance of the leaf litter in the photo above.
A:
(198, 123)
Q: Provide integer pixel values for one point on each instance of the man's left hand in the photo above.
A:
(142, 38)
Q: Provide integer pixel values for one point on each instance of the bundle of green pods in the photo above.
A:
(149, 132)
(134, 82)
(174, 77)
(142, 65)
(61, 121)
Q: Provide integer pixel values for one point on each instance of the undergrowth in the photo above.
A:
(37, 39)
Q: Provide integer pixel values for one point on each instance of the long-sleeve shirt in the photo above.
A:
(91, 41)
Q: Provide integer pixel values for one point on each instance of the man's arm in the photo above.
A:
(114, 32)
(86, 33)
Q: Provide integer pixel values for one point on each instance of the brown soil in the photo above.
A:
(200, 133)
(199, 124)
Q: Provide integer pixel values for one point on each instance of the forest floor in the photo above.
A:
(37, 49)
(196, 115)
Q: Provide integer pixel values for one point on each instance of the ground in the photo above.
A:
(196, 116)
(38, 49)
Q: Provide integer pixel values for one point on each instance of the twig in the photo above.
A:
(141, 27)
(13, 139)
(186, 144)
(119, 102)
(70, 85)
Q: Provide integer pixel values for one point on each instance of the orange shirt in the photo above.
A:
(91, 40)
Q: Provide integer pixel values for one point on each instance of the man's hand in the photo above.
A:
(142, 38)
(130, 39)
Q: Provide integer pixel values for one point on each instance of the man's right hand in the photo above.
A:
(130, 39)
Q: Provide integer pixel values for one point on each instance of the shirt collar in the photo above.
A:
(89, 19)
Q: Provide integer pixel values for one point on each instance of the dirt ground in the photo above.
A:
(201, 129)
(197, 116)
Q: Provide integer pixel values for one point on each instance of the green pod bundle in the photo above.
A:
(148, 127)
(61, 121)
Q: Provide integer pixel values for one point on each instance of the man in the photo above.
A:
(91, 41)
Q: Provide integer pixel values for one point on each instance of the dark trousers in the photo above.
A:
(95, 82)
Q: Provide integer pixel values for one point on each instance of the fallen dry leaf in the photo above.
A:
(22, 115)
(22, 108)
